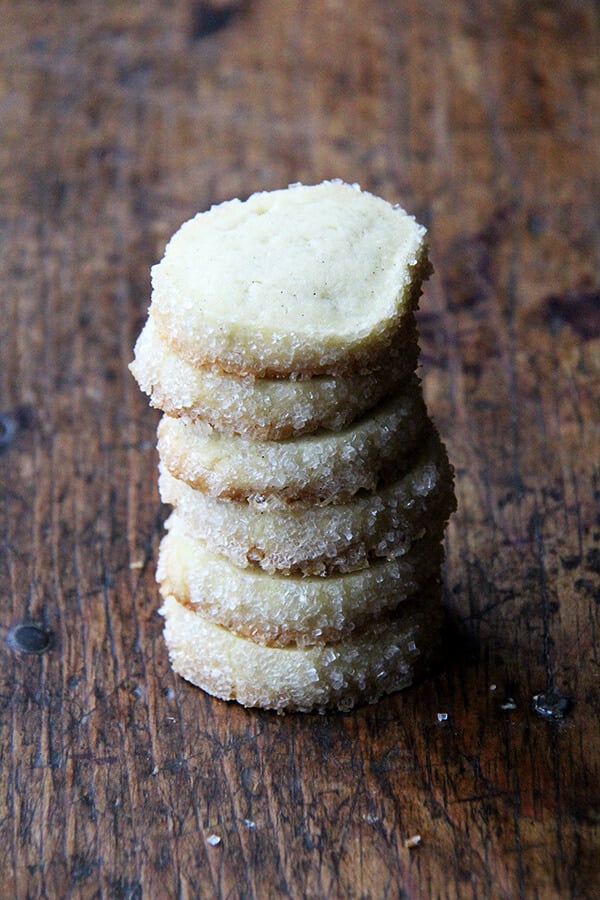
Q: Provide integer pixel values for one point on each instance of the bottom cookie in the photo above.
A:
(385, 656)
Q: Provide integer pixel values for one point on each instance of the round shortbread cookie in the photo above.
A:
(281, 609)
(322, 468)
(308, 280)
(388, 655)
(321, 540)
(261, 408)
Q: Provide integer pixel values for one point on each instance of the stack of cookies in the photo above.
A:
(301, 565)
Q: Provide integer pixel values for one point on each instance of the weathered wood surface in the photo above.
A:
(118, 121)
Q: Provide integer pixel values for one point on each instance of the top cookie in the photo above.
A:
(304, 281)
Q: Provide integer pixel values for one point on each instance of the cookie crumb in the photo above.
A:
(412, 842)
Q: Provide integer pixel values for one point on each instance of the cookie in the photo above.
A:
(262, 408)
(279, 609)
(389, 654)
(308, 280)
(317, 469)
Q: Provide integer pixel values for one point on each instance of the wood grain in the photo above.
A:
(119, 120)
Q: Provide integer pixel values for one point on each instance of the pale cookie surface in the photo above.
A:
(325, 467)
(308, 280)
(388, 655)
(262, 408)
(283, 609)
(324, 539)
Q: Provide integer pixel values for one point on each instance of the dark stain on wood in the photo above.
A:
(470, 265)
(579, 310)
(209, 18)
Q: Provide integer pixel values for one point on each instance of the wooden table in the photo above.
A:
(118, 121)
